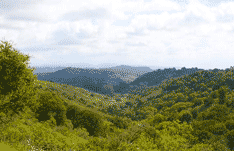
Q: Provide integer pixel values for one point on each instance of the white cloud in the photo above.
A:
(155, 33)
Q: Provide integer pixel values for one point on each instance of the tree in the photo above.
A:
(51, 105)
(185, 116)
(108, 88)
(17, 86)
(230, 137)
(85, 118)
(222, 92)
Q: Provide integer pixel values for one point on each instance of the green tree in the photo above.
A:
(216, 112)
(222, 92)
(156, 119)
(230, 124)
(17, 87)
(230, 137)
(185, 116)
(85, 118)
(51, 105)
(198, 101)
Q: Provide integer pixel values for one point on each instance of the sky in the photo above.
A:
(100, 33)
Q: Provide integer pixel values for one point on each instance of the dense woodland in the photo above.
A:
(193, 112)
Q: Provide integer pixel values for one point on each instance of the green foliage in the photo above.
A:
(218, 142)
(230, 137)
(208, 102)
(218, 128)
(230, 124)
(150, 111)
(175, 128)
(222, 94)
(134, 132)
(82, 101)
(214, 94)
(111, 109)
(185, 116)
(193, 96)
(180, 98)
(198, 101)
(203, 135)
(216, 112)
(145, 143)
(178, 107)
(193, 112)
(85, 118)
(8, 147)
(158, 118)
(17, 81)
(51, 105)
(211, 132)
(119, 122)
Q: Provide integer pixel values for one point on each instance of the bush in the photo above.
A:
(216, 112)
(218, 128)
(230, 137)
(85, 118)
(218, 142)
(230, 124)
(51, 105)
(185, 116)
(178, 107)
(134, 132)
(198, 102)
(201, 130)
(195, 112)
(158, 118)
(204, 125)
(4, 146)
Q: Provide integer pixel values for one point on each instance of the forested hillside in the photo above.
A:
(103, 81)
(193, 112)
(112, 81)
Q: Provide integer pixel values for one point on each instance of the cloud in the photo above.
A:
(153, 33)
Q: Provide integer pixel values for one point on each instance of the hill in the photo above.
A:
(96, 80)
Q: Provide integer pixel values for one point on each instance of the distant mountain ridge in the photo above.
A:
(47, 69)
(156, 77)
(94, 79)
(126, 73)
(79, 74)
(120, 79)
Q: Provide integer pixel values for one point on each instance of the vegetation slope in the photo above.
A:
(192, 112)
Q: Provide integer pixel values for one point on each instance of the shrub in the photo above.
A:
(230, 137)
(195, 112)
(198, 102)
(4, 146)
(185, 116)
(178, 107)
(134, 132)
(158, 118)
(216, 112)
(230, 124)
(218, 128)
(51, 105)
(85, 118)
(218, 142)
(203, 125)
(175, 128)
(203, 135)
(120, 122)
